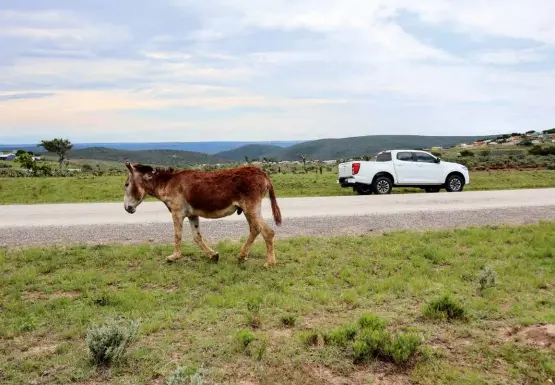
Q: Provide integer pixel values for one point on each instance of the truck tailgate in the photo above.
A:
(345, 170)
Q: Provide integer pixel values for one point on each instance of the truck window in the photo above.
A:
(384, 157)
(404, 156)
(422, 157)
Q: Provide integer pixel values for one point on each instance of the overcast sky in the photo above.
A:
(191, 70)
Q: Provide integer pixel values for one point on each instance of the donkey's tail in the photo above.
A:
(275, 208)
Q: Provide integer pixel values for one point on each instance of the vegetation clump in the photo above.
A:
(185, 376)
(369, 339)
(107, 342)
(288, 320)
(244, 338)
(445, 308)
(488, 278)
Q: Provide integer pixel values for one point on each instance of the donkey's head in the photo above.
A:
(134, 189)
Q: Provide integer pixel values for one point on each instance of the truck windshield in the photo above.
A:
(383, 157)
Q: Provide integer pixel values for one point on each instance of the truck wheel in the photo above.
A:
(455, 183)
(363, 189)
(382, 185)
(432, 189)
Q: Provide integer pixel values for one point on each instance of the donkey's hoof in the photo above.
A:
(173, 257)
(215, 258)
(269, 265)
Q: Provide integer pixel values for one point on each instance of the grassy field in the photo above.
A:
(110, 188)
(245, 324)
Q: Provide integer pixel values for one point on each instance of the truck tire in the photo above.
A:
(363, 189)
(454, 183)
(382, 185)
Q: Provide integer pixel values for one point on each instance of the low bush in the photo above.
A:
(369, 339)
(185, 376)
(253, 316)
(107, 342)
(445, 308)
(288, 320)
(488, 278)
(244, 338)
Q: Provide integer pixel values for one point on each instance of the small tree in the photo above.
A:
(304, 159)
(58, 146)
(26, 161)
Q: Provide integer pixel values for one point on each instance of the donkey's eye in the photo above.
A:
(126, 184)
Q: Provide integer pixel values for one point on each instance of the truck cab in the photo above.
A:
(402, 168)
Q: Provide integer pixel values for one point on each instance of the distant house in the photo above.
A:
(552, 138)
(9, 156)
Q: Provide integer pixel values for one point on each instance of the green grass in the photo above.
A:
(196, 314)
(110, 188)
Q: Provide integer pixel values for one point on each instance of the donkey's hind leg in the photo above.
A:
(258, 225)
(197, 237)
(254, 230)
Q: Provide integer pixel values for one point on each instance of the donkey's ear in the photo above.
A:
(129, 166)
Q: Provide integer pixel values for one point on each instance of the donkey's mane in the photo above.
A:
(145, 169)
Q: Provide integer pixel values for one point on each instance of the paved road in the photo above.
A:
(108, 222)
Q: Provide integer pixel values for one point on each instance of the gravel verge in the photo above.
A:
(215, 230)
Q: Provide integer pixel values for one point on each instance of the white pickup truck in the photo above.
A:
(402, 168)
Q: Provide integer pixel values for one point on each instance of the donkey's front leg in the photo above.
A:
(178, 218)
(194, 221)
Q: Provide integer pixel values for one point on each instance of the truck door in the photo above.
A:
(427, 170)
(405, 167)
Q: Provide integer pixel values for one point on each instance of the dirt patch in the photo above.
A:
(34, 295)
(357, 377)
(542, 336)
(41, 350)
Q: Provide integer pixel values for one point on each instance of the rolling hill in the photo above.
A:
(324, 149)
(250, 150)
(154, 157)
(203, 147)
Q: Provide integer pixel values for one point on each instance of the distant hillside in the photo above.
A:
(325, 149)
(204, 147)
(153, 157)
(250, 150)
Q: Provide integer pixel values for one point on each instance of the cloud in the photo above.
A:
(240, 69)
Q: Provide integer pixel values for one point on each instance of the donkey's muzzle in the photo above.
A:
(130, 209)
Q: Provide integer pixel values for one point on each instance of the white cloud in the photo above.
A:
(314, 67)
(65, 27)
(511, 57)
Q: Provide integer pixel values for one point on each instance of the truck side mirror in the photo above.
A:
(438, 160)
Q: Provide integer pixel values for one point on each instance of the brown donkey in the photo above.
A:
(208, 194)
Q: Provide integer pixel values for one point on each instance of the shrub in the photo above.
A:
(107, 342)
(466, 153)
(309, 338)
(257, 348)
(185, 376)
(445, 307)
(369, 339)
(341, 336)
(403, 347)
(488, 278)
(371, 321)
(244, 338)
(253, 317)
(288, 320)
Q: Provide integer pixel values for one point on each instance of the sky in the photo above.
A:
(213, 70)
